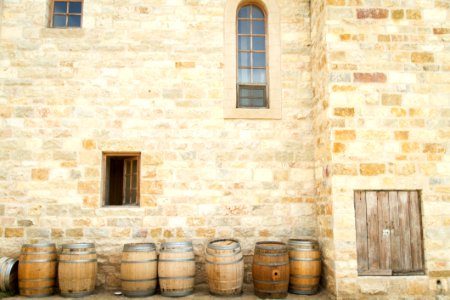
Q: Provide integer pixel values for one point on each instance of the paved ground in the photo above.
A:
(201, 292)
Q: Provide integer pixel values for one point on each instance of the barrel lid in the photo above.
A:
(39, 245)
(139, 247)
(224, 244)
(302, 242)
(78, 246)
(271, 245)
(177, 244)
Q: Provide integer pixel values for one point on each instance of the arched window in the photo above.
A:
(252, 64)
(252, 59)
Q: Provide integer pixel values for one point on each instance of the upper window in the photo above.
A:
(388, 232)
(67, 13)
(252, 59)
(121, 178)
(252, 84)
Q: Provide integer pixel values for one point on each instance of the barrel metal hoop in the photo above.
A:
(271, 264)
(305, 259)
(176, 244)
(7, 283)
(271, 281)
(138, 261)
(303, 286)
(274, 245)
(77, 294)
(39, 245)
(78, 261)
(37, 288)
(291, 248)
(139, 280)
(225, 263)
(40, 295)
(139, 247)
(138, 293)
(225, 295)
(78, 253)
(78, 246)
(271, 291)
(33, 253)
(177, 293)
(37, 279)
(177, 260)
(181, 250)
(176, 277)
(226, 247)
(36, 261)
(312, 292)
(305, 276)
(271, 254)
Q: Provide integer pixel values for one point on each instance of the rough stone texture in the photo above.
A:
(147, 77)
(365, 101)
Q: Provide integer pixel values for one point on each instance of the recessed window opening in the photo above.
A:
(67, 13)
(251, 58)
(121, 181)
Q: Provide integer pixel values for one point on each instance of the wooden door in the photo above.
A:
(388, 232)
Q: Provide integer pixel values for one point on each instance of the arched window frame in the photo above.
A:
(273, 61)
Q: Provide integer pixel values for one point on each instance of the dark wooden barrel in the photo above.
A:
(270, 270)
(138, 270)
(77, 269)
(224, 267)
(305, 266)
(9, 268)
(37, 270)
(176, 269)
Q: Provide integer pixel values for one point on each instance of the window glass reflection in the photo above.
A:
(75, 7)
(60, 7)
(74, 21)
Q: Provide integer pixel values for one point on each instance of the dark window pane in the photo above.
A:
(259, 76)
(74, 21)
(244, 102)
(244, 43)
(259, 93)
(256, 12)
(258, 27)
(244, 27)
(244, 12)
(259, 43)
(259, 59)
(244, 75)
(244, 59)
(60, 7)
(75, 7)
(243, 92)
(59, 21)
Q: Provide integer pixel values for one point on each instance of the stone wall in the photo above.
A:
(389, 108)
(147, 76)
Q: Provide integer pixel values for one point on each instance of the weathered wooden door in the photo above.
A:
(388, 232)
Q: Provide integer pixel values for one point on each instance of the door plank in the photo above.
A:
(384, 230)
(396, 252)
(373, 230)
(416, 233)
(405, 235)
(361, 231)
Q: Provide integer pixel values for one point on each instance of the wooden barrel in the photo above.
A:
(305, 266)
(224, 267)
(176, 269)
(77, 269)
(138, 270)
(37, 270)
(271, 270)
(9, 268)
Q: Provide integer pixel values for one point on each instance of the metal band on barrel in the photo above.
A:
(225, 263)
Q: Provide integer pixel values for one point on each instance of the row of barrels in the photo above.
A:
(277, 268)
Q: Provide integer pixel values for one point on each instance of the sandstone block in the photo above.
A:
(372, 13)
(345, 135)
(422, 57)
(39, 174)
(14, 232)
(370, 77)
(372, 169)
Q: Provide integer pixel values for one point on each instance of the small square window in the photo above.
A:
(121, 178)
(252, 96)
(67, 14)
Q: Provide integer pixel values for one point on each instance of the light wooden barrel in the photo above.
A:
(77, 269)
(305, 266)
(9, 268)
(37, 270)
(176, 269)
(271, 270)
(138, 270)
(224, 267)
